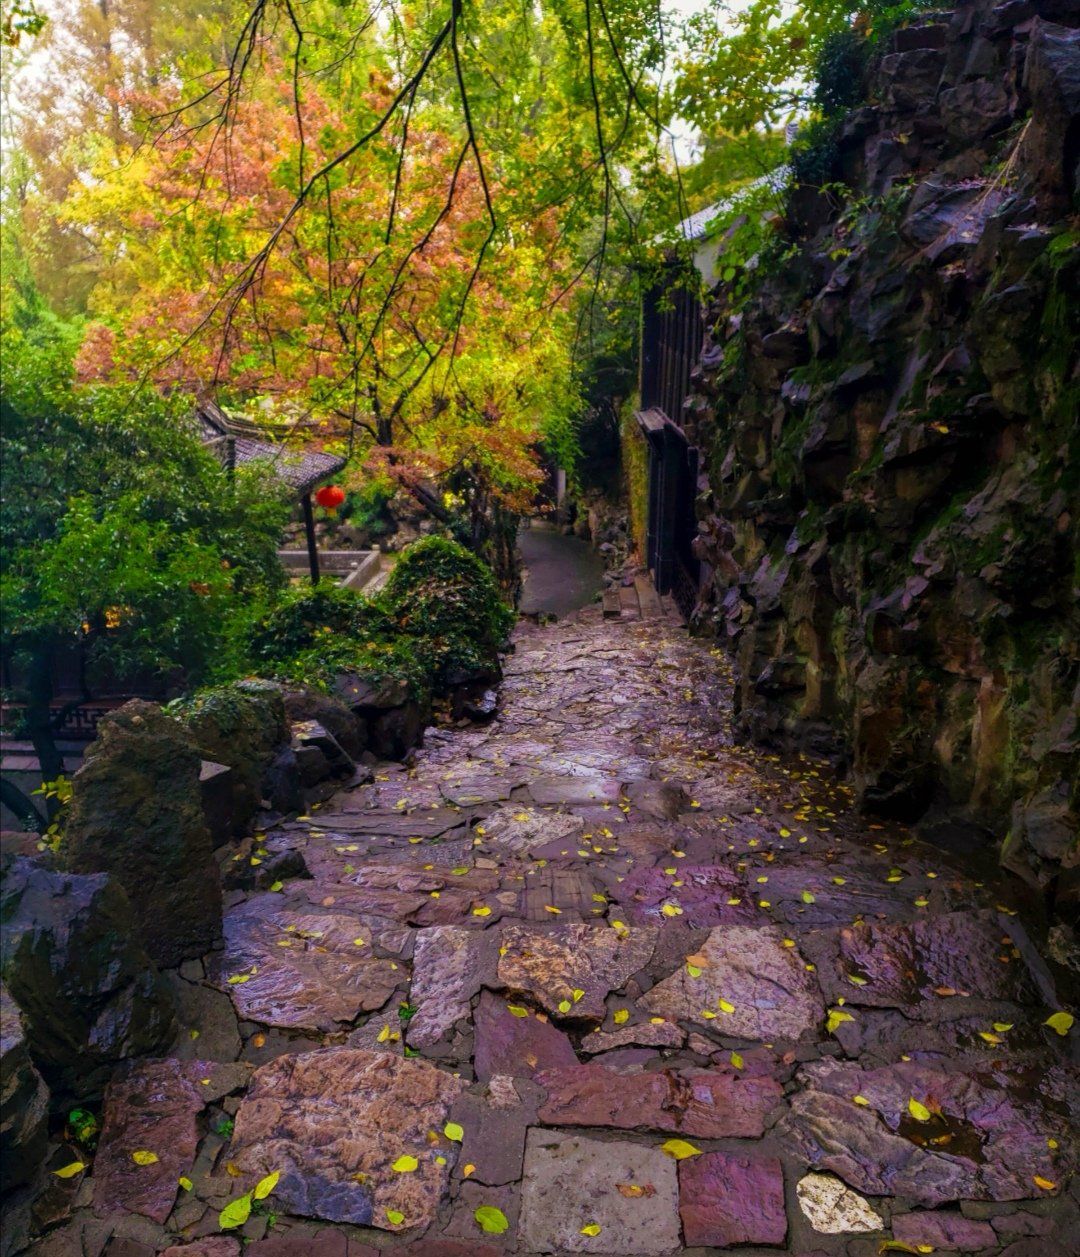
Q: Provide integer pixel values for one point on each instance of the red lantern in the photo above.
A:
(330, 496)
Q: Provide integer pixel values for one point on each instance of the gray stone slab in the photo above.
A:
(571, 1183)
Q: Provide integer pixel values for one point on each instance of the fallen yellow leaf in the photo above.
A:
(919, 1111)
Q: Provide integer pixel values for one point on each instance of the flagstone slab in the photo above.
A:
(574, 892)
(642, 1034)
(944, 1231)
(707, 1104)
(770, 993)
(729, 1198)
(494, 1125)
(574, 790)
(987, 1137)
(333, 1123)
(707, 895)
(570, 970)
(832, 1208)
(515, 1046)
(954, 955)
(520, 829)
(448, 970)
(301, 970)
(150, 1108)
(571, 1183)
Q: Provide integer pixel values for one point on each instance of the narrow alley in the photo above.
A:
(592, 979)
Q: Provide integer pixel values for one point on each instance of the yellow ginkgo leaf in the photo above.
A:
(551, 908)
(69, 1170)
(468, 1169)
(919, 1111)
(671, 910)
(564, 1006)
(405, 1164)
(143, 1157)
(235, 1213)
(693, 971)
(989, 1037)
(1002, 1026)
(680, 1149)
(577, 994)
(737, 1060)
(266, 1185)
(1061, 1022)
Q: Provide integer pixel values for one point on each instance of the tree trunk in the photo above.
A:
(17, 802)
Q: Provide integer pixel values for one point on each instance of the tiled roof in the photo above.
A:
(300, 470)
(696, 227)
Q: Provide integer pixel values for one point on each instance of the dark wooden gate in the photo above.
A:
(671, 335)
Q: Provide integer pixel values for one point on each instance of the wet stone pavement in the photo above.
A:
(592, 979)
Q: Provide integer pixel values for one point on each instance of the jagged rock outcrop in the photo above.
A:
(890, 425)
(89, 995)
(24, 1102)
(244, 725)
(136, 812)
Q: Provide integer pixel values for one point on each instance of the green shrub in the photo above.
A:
(815, 152)
(376, 660)
(840, 70)
(448, 601)
(307, 616)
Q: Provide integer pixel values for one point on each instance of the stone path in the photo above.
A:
(590, 979)
(562, 574)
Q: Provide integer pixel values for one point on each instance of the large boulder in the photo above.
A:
(1051, 150)
(243, 725)
(90, 995)
(391, 714)
(136, 812)
(24, 1102)
(332, 714)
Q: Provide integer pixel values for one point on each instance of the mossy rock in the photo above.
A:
(136, 812)
(242, 725)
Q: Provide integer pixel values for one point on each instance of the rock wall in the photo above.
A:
(890, 426)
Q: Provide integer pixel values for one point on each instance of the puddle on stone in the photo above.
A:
(944, 1133)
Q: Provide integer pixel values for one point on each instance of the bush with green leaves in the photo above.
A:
(441, 615)
(118, 529)
(448, 601)
(305, 617)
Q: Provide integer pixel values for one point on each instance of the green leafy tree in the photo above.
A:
(117, 528)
